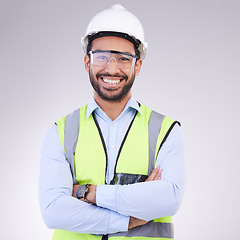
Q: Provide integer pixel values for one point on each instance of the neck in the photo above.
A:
(112, 108)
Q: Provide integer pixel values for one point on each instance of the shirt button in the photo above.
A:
(113, 124)
(112, 171)
(112, 146)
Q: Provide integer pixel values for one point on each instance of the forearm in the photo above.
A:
(59, 209)
(71, 214)
(153, 199)
(140, 200)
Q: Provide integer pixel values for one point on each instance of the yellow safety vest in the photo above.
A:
(136, 157)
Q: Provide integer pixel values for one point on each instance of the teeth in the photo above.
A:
(111, 81)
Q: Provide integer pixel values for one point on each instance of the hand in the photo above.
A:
(75, 187)
(90, 196)
(155, 174)
(134, 222)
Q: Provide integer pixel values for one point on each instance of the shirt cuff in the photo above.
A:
(118, 222)
(106, 197)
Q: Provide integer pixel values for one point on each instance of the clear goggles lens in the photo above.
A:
(102, 58)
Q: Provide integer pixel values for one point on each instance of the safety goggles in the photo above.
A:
(102, 58)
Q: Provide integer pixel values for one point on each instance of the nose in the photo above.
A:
(112, 65)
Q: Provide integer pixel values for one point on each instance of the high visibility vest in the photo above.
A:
(82, 139)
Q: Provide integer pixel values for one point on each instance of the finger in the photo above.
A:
(153, 174)
(160, 174)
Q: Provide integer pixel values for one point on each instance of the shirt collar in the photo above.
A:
(132, 103)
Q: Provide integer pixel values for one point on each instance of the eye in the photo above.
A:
(124, 59)
(101, 57)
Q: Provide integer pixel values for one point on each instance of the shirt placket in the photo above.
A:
(112, 150)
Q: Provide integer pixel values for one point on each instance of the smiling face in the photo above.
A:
(111, 83)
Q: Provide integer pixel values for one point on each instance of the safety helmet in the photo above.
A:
(113, 21)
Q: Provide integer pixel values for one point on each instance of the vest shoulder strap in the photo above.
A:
(70, 136)
(159, 128)
(154, 127)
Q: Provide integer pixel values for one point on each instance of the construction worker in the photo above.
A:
(112, 169)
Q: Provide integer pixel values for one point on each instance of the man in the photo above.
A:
(112, 169)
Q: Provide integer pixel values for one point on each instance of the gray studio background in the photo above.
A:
(191, 74)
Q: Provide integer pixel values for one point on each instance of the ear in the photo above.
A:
(138, 66)
(87, 62)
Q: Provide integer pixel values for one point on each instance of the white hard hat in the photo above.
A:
(120, 21)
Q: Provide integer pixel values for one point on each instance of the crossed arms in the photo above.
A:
(91, 196)
(117, 207)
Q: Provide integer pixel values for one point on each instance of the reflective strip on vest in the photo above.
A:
(159, 128)
(156, 230)
(154, 127)
(70, 139)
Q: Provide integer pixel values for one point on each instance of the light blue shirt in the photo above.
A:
(115, 203)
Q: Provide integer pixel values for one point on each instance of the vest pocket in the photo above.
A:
(127, 178)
